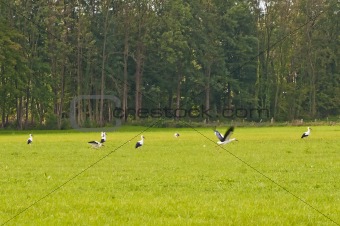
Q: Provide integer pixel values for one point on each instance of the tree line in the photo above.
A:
(281, 56)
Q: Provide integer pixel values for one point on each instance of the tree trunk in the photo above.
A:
(139, 73)
(19, 112)
(79, 75)
(125, 82)
(207, 88)
(27, 102)
(62, 93)
(229, 96)
(102, 86)
(312, 91)
(178, 94)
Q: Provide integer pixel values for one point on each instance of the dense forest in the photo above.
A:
(63, 58)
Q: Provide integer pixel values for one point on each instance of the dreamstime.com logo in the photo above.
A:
(73, 109)
(156, 113)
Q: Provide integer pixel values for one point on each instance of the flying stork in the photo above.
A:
(226, 138)
(96, 144)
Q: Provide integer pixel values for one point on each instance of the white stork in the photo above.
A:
(103, 137)
(307, 133)
(176, 135)
(30, 139)
(97, 144)
(226, 138)
(140, 143)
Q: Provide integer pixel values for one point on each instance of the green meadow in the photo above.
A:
(269, 177)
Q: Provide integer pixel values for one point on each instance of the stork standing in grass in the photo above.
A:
(30, 139)
(103, 137)
(307, 133)
(226, 138)
(140, 143)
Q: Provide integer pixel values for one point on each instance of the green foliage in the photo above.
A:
(279, 55)
(51, 122)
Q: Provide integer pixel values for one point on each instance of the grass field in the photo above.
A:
(269, 177)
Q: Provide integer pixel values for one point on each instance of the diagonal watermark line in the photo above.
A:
(76, 175)
(267, 177)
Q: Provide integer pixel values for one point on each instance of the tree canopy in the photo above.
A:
(279, 55)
